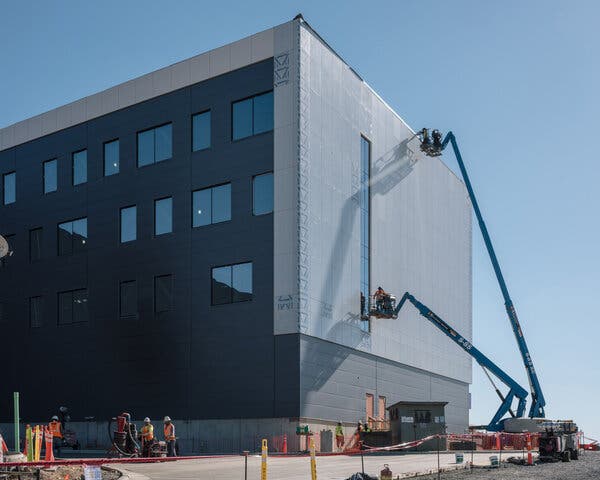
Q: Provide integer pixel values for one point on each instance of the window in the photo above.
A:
(80, 167)
(365, 231)
(35, 312)
(163, 291)
(252, 116)
(50, 176)
(128, 224)
(154, 145)
(35, 244)
(370, 405)
(111, 158)
(201, 131)
(232, 283)
(163, 216)
(381, 412)
(262, 194)
(211, 205)
(128, 303)
(10, 188)
(3, 317)
(72, 236)
(73, 307)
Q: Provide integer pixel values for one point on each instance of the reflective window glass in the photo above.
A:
(201, 131)
(128, 299)
(10, 188)
(263, 113)
(72, 236)
(221, 285)
(242, 119)
(262, 194)
(128, 224)
(163, 141)
(211, 205)
(50, 176)
(221, 203)
(163, 216)
(111, 158)
(242, 282)
(145, 148)
(80, 167)
(35, 244)
(163, 292)
(202, 207)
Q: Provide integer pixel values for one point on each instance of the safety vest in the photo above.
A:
(169, 432)
(147, 432)
(339, 430)
(55, 428)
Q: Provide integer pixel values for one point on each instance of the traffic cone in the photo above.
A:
(284, 449)
(49, 450)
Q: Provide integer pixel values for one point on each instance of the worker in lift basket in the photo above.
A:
(147, 436)
(169, 432)
(379, 296)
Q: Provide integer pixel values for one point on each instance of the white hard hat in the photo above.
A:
(55, 418)
(146, 420)
(167, 419)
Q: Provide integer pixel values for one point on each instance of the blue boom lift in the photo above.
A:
(387, 309)
(433, 146)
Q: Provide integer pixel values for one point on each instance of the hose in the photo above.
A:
(114, 444)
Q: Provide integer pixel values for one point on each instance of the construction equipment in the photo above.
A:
(433, 146)
(559, 442)
(515, 390)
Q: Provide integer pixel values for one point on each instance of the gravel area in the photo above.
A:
(586, 468)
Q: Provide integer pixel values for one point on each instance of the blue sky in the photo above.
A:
(516, 81)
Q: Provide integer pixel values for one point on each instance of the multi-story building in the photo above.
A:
(195, 242)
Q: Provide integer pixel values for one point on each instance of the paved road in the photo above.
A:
(294, 468)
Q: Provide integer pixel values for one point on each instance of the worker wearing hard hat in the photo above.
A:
(147, 436)
(169, 432)
(55, 428)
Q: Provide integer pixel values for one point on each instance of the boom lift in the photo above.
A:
(433, 146)
(515, 390)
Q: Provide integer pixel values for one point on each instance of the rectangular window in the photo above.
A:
(128, 224)
(232, 283)
(10, 188)
(80, 167)
(35, 312)
(72, 236)
(50, 176)
(128, 302)
(211, 205)
(163, 292)
(163, 216)
(111, 158)
(201, 131)
(35, 244)
(155, 145)
(365, 231)
(262, 194)
(252, 116)
(73, 307)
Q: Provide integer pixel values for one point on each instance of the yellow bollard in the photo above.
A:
(263, 465)
(28, 444)
(313, 460)
(36, 445)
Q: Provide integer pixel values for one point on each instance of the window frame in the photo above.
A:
(156, 200)
(137, 145)
(72, 250)
(231, 265)
(104, 144)
(72, 293)
(269, 172)
(132, 315)
(155, 306)
(4, 176)
(44, 163)
(73, 167)
(41, 230)
(41, 311)
(252, 97)
(202, 112)
(121, 242)
(211, 188)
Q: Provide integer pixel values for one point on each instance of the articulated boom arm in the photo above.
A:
(515, 390)
(538, 401)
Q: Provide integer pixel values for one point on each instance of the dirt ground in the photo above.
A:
(74, 473)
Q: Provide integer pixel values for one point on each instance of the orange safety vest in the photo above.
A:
(147, 433)
(169, 432)
(55, 428)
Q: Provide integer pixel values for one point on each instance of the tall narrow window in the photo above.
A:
(73, 307)
(128, 224)
(382, 412)
(35, 312)
(252, 116)
(201, 131)
(211, 205)
(50, 176)
(163, 216)
(128, 303)
(10, 188)
(163, 292)
(370, 405)
(80, 167)
(232, 283)
(365, 231)
(155, 145)
(35, 244)
(262, 194)
(111, 158)
(72, 236)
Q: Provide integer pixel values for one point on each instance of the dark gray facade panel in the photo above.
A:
(335, 380)
(196, 360)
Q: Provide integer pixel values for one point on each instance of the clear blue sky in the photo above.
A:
(516, 81)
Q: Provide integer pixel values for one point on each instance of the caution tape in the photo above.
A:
(401, 446)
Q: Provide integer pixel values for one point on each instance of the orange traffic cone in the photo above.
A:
(49, 451)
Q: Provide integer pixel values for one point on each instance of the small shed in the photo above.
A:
(410, 421)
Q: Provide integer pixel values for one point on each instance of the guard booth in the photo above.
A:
(410, 421)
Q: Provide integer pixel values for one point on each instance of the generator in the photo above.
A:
(559, 442)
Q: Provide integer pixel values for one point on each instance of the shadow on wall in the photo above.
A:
(386, 172)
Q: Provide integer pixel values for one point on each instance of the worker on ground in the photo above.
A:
(147, 436)
(169, 432)
(57, 437)
(339, 436)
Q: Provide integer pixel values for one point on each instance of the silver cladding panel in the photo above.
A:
(421, 222)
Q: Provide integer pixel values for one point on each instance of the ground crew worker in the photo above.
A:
(147, 435)
(56, 428)
(169, 432)
(339, 436)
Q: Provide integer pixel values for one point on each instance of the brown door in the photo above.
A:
(370, 407)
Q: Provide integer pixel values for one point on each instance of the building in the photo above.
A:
(194, 243)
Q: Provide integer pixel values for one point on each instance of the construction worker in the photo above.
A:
(379, 297)
(56, 428)
(169, 432)
(339, 436)
(147, 436)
